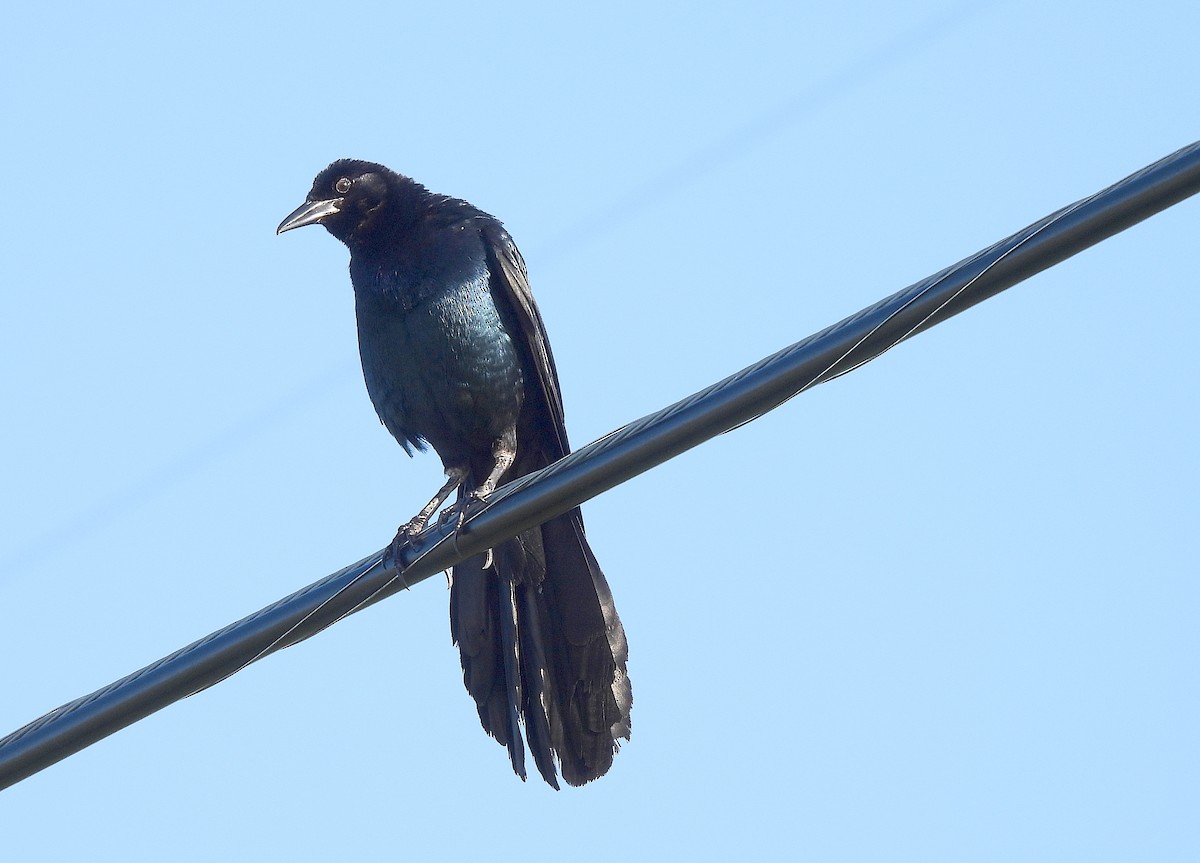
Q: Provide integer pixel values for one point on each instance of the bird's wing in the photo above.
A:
(512, 283)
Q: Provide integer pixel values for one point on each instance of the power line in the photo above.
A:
(605, 463)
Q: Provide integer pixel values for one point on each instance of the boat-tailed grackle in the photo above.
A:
(455, 355)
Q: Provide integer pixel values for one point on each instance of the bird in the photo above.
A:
(455, 356)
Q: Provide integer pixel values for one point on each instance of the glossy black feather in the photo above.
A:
(455, 355)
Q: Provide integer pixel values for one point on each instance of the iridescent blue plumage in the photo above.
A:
(455, 354)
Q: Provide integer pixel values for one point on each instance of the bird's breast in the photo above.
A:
(439, 362)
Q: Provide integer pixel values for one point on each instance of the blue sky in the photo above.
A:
(943, 608)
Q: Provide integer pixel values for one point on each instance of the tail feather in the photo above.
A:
(512, 688)
(537, 678)
(596, 696)
(477, 624)
(538, 629)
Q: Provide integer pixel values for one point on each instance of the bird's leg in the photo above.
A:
(455, 477)
(504, 453)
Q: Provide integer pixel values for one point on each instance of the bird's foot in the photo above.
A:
(481, 493)
(478, 495)
(453, 511)
(405, 534)
(459, 513)
(402, 540)
(412, 527)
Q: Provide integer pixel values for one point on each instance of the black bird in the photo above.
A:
(455, 355)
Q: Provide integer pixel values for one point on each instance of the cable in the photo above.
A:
(599, 466)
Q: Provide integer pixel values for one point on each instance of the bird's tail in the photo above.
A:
(542, 647)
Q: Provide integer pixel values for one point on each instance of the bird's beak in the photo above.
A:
(309, 213)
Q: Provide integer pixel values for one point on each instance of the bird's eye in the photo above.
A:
(342, 186)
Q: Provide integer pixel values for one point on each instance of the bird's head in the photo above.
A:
(346, 198)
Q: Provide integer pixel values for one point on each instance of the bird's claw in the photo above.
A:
(401, 541)
(444, 515)
(411, 528)
(405, 534)
(459, 513)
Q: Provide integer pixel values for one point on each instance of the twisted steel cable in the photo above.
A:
(599, 466)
